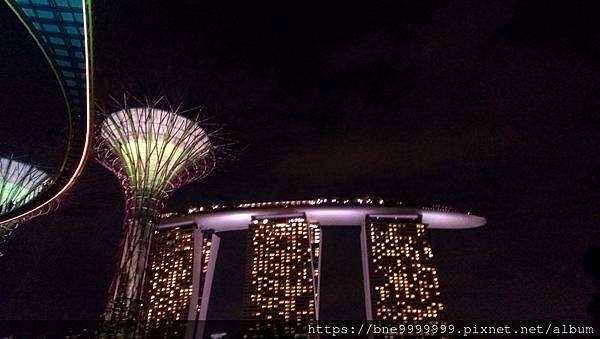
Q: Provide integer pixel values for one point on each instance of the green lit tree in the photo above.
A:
(19, 184)
(152, 151)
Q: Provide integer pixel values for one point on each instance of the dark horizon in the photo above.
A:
(490, 108)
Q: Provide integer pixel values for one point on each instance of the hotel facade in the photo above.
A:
(283, 263)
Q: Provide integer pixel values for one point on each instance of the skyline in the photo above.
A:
(490, 109)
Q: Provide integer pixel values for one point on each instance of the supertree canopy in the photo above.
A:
(152, 152)
(19, 183)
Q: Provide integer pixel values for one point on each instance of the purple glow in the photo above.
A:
(234, 220)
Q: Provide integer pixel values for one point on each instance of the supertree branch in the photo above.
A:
(152, 151)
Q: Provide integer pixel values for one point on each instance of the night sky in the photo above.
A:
(490, 107)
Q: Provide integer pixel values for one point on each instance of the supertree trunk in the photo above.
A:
(141, 221)
(152, 152)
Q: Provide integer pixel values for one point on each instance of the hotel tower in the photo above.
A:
(281, 293)
(282, 275)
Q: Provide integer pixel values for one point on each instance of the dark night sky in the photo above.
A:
(489, 107)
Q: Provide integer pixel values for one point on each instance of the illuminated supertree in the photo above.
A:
(19, 183)
(152, 151)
